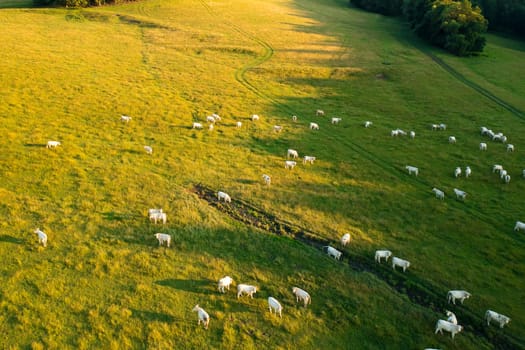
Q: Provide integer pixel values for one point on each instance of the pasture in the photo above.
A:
(103, 282)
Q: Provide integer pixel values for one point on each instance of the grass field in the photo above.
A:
(103, 283)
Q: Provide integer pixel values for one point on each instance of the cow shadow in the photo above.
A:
(152, 316)
(195, 286)
(39, 145)
(10, 239)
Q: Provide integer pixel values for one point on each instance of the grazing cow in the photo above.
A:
(246, 289)
(523, 172)
(439, 194)
(494, 316)
(319, 113)
(368, 124)
(394, 133)
(52, 144)
(125, 118)
(502, 174)
(238, 124)
(452, 295)
(314, 126)
(158, 216)
(442, 126)
(203, 316)
(401, 132)
(519, 226)
(154, 211)
(308, 159)
(196, 125)
(294, 118)
(302, 295)
(483, 146)
(255, 117)
(267, 179)
(345, 239)
(460, 194)
(163, 238)
(468, 171)
(210, 127)
(382, 254)
(484, 130)
(405, 264)
(452, 139)
(148, 149)
(451, 317)
(457, 172)
(434, 126)
(412, 134)
(292, 153)
(448, 326)
(497, 168)
(336, 120)
(290, 164)
(412, 170)
(216, 116)
(510, 148)
(275, 306)
(506, 178)
(42, 237)
(225, 282)
(210, 119)
(277, 128)
(224, 196)
(331, 251)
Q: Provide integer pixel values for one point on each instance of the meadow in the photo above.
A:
(103, 283)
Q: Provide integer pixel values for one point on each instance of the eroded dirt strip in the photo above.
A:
(418, 290)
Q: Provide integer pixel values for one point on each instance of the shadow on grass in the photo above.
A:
(34, 145)
(152, 316)
(194, 286)
(10, 239)
(132, 151)
(113, 216)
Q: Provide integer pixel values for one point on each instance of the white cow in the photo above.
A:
(345, 239)
(336, 120)
(494, 316)
(405, 264)
(277, 128)
(42, 237)
(319, 113)
(238, 124)
(394, 133)
(196, 125)
(314, 126)
(439, 194)
(502, 174)
(292, 153)
(448, 326)
(290, 164)
(497, 168)
(163, 238)
(302, 295)
(468, 171)
(158, 217)
(412, 134)
(506, 178)
(452, 295)
(210, 127)
(148, 149)
(523, 172)
(483, 146)
(225, 282)
(484, 130)
(125, 118)
(412, 170)
(457, 172)
(401, 132)
(210, 119)
(451, 317)
(216, 116)
(267, 179)
(382, 254)
(246, 289)
(510, 148)
(154, 211)
(52, 144)
(224, 196)
(203, 316)
(452, 139)
(294, 118)
(274, 305)
(442, 126)
(460, 194)
(519, 226)
(308, 159)
(434, 126)
(331, 251)
(255, 117)
(368, 124)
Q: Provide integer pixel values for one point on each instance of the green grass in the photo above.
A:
(102, 282)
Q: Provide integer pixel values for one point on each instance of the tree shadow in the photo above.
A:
(10, 239)
(194, 286)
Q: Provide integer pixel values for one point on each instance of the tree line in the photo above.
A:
(78, 3)
(456, 25)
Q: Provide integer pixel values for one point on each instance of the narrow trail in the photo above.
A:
(418, 290)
